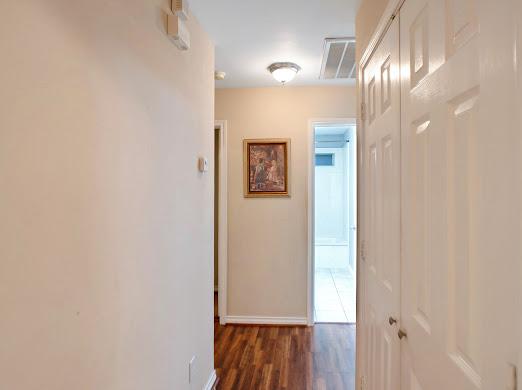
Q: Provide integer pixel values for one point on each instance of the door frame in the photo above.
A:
(312, 123)
(222, 221)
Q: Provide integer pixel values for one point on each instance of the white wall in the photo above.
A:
(106, 225)
(351, 155)
(331, 194)
(366, 21)
(268, 237)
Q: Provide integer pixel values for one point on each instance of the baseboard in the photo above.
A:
(211, 381)
(251, 320)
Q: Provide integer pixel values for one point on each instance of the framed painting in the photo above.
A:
(266, 167)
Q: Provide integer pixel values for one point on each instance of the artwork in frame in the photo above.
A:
(266, 167)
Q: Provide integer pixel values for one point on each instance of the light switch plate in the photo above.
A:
(203, 164)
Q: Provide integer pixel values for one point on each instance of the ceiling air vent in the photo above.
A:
(338, 59)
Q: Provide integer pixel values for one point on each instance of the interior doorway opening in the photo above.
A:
(334, 238)
(217, 173)
(220, 222)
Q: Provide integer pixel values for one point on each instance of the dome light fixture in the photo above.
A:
(284, 71)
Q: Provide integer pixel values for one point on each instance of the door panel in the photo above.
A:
(459, 152)
(382, 213)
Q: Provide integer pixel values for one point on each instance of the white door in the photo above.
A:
(460, 185)
(382, 214)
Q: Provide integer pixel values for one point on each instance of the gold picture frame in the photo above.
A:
(266, 167)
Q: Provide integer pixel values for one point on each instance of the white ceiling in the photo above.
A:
(251, 34)
(331, 130)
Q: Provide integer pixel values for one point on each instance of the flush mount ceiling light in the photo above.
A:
(284, 71)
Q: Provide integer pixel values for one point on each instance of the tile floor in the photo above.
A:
(335, 295)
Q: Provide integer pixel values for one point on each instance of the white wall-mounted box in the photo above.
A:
(181, 8)
(177, 29)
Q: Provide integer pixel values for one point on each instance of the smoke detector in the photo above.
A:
(338, 59)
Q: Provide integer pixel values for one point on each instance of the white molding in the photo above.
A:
(211, 381)
(223, 221)
(253, 320)
(312, 123)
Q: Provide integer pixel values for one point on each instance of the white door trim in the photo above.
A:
(312, 123)
(222, 222)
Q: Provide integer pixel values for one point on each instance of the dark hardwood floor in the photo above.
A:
(291, 358)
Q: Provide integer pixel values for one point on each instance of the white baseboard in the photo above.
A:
(211, 381)
(251, 320)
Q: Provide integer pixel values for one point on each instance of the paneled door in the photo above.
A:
(460, 195)
(382, 214)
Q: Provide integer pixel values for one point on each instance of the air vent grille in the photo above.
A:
(338, 59)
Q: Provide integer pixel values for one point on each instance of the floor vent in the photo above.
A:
(338, 59)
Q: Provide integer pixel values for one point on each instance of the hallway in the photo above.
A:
(343, 177)
(294, 358)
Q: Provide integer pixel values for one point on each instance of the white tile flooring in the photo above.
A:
(335, 295)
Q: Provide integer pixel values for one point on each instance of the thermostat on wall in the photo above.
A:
(203, 164)
(177, 29)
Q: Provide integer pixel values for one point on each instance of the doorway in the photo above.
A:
(334, 222)
(220, 222)
(217, 173)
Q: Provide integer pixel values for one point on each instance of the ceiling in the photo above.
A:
(331, 130)
(249, 35)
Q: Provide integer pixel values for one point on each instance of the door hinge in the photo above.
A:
(363, 252)
(362, 385)
(363, 112)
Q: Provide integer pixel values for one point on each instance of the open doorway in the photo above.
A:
(217, 173)
(334, 222)
(220, 222)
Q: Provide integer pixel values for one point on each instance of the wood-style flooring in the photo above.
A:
(290, 358)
